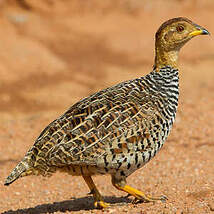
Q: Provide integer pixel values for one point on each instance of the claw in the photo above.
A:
(91, 192)
(163, 198)
(140, 200)
(135, 201)
(128, 195)
(101, 204)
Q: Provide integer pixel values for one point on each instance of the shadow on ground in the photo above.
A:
(85, 203)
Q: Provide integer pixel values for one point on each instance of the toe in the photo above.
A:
(146, 199)
(101, 204)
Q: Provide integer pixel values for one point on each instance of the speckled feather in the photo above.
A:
(116, 130)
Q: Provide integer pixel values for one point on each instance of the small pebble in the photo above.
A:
(17, 193)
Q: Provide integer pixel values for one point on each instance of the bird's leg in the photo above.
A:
(98, 200)
(139, 196)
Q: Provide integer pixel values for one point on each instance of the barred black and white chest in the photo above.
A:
(156, 96)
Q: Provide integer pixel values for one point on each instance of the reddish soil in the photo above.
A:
(53, 53)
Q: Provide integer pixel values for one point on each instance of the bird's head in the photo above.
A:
(172, 35)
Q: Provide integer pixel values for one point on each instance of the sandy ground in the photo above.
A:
(53, 53)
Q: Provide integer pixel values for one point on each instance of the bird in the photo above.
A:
(117, 130)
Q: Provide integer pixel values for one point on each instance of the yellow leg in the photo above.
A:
(139, 196)
(98, 200)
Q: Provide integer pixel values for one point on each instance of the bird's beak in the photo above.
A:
(199, 31)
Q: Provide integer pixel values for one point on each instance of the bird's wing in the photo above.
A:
(104, 123)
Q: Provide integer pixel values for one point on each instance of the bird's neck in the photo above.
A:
(165, 58)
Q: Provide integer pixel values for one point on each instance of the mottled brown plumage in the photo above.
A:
(119, 129)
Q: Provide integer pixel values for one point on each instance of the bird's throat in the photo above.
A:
(166, 58)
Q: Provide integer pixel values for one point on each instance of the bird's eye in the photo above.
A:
(180, 28)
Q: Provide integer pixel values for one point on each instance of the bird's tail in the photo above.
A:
(18, 171)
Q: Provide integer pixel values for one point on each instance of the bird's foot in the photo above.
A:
(101, 204)
(138, 195)
(98, 199)
(146, 198)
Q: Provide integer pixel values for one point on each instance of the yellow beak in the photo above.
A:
(199, 32)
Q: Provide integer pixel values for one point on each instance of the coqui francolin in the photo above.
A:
(119, 129)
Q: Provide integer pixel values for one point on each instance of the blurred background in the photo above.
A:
(53, 53)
